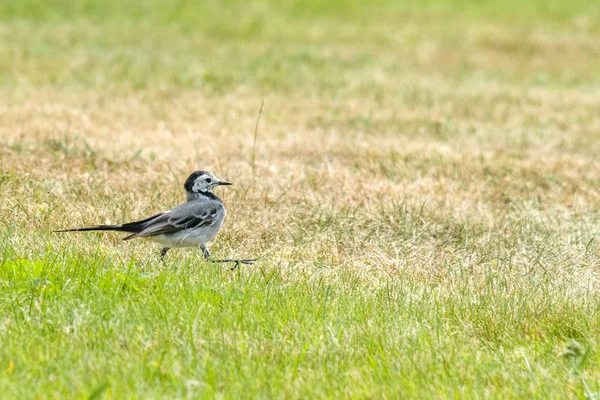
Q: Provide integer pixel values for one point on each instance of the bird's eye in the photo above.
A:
(208, 180)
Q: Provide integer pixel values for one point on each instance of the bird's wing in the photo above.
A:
(192, 214)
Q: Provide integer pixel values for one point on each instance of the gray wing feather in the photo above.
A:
(185, 216)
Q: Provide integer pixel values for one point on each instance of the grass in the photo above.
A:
(422, 189)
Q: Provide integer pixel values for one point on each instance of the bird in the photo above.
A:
(192, 223)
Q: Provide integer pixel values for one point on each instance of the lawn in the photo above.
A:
(422, 191)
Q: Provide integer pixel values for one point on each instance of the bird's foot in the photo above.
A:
(163, 251)
(247, 261)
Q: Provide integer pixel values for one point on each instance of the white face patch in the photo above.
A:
(199, 185)
(204, 183)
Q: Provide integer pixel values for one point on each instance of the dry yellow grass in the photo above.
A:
(362, 155)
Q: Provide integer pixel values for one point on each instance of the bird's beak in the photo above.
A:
(224, 183)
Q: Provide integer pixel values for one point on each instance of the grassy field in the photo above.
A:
(423, 190)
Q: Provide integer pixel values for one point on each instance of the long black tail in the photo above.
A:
(120, 228)
(131, 227)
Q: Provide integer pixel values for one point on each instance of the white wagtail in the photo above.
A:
(191, 224)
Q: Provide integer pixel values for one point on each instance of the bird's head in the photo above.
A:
(202, 182)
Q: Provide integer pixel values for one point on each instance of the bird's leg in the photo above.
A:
(163, 251)
(205, 251)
